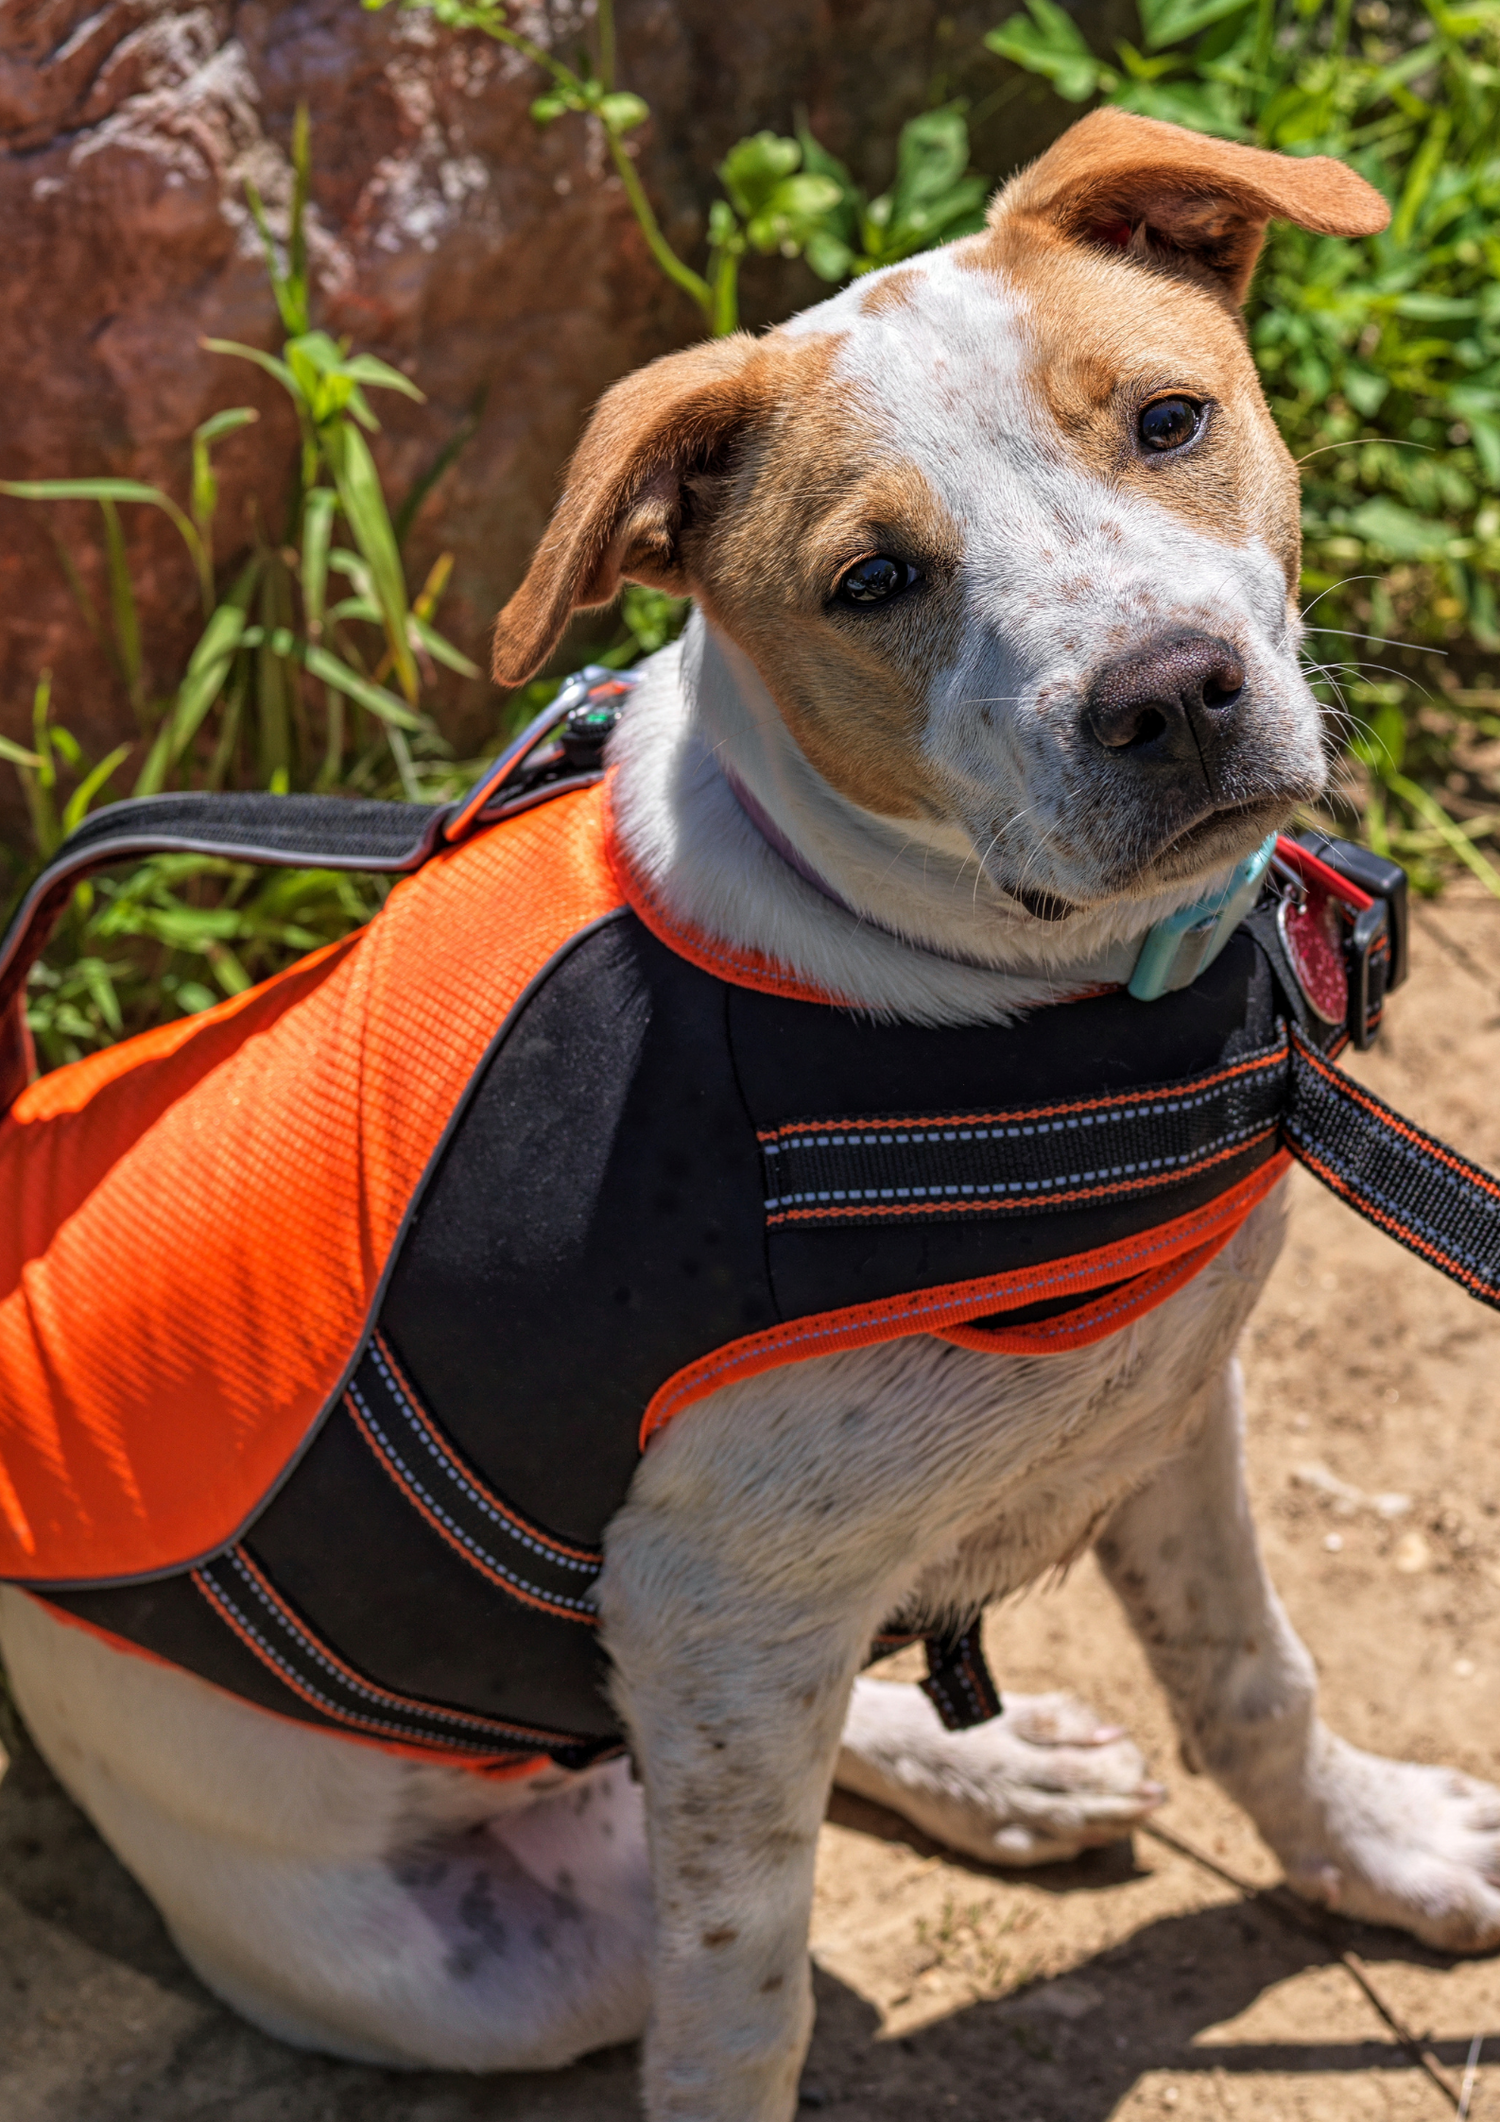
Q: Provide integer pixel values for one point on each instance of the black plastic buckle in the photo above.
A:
(565, 741)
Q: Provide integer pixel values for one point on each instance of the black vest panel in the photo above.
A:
(597, 1221)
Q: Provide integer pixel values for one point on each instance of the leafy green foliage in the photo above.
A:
(935, 198)
(1381, 358)
(309, 672)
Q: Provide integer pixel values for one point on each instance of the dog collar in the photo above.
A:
(1172, 953)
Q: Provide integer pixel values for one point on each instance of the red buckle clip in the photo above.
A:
(1342, 923)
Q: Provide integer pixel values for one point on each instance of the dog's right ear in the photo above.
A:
(622, 505)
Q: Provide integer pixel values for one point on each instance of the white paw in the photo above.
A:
(1034, 1786)
(1394, 1842)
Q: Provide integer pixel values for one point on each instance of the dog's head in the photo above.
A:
(1007, 530)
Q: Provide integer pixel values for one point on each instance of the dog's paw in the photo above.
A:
(1033, 1786)
(1395, 1842)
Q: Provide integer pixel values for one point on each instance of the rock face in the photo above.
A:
(496, 263)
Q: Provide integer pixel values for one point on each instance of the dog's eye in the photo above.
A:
(1169, 423)
(872, 581)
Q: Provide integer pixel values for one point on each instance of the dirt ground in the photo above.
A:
(1133, 1984)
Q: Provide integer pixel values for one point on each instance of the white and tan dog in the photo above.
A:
(994, 557)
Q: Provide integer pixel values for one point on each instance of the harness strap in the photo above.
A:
(1413, 1187)
(874, 1170)
(560, 750)
(958, 1683)
(287, 832)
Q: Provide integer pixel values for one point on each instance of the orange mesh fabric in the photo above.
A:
(195, 1223)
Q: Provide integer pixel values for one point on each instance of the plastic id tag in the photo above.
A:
(1180, 947)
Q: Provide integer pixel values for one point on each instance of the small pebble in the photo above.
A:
(1412, 1554)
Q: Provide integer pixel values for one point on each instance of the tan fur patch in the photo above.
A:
(814, 489)
(1106, 337)
(1201, 204)
(744, 474)
(895, 291)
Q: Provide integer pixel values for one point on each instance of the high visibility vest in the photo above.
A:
(334, 1321)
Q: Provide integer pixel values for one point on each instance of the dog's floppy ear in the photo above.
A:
(1185, 202)
(622, 504)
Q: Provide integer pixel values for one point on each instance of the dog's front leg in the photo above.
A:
(1387, 1841)
(733, 1669)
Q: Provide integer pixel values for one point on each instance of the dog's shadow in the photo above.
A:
(98, 2014)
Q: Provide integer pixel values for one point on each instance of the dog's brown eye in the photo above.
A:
(1169, 423)
(872, 581)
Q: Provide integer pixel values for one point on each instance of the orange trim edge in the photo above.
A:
(499, 1768)
(1159, 1260)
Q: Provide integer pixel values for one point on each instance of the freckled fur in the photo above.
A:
(972, 410)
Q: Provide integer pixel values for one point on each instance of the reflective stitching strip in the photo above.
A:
(1423, 1194)
(418, 1713)
(586, 1561)
(980, 1164)
(489, 1566)
(1124, 1105)
(1078, 1185)
(1091, 1322)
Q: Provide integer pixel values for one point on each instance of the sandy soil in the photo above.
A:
(1133, 1984)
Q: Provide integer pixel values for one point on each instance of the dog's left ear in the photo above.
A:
(622, 507)
(1181, 201)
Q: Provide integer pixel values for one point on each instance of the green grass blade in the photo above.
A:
(364, 509)
(107, 490)
(411, 788)
(85, 603)
(229, 728)
(101, 989)
(367, 368)
(1426, 805)
(442, 651)
(268, 362)
(228, 422)
(296, 249)
(393, 712)
(452, 449)
(77, 808)
(318, 511)
(272, 696)
(205, 499)
(333, 754)
(83, 490)
(200, 687)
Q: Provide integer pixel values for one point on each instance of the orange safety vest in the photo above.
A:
(223, 1257)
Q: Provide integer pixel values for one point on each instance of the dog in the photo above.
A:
(993, 663)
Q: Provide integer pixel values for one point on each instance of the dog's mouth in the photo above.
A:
(1205, 845)
(1202, 845)
(1046, 906)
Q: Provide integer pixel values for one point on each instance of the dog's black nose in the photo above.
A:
(1172, 702)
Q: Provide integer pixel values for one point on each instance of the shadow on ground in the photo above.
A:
(100, 2019)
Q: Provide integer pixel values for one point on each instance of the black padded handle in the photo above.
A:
(288, 832)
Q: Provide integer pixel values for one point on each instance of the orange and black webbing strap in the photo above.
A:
(1421, 1193)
